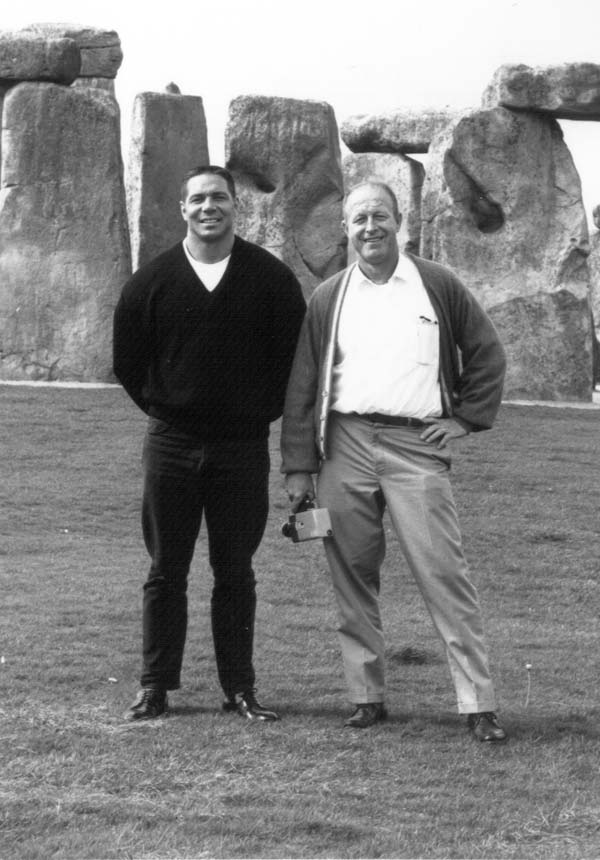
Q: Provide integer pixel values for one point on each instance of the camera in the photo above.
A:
(308, 523)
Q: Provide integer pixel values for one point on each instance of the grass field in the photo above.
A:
(76, 782)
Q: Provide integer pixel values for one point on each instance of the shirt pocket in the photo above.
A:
(428, 345)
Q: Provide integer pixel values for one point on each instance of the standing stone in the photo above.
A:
(594, 265)
(568, 91)
(168, 138)
(399, 131)
(4, 88)
(64, 245)
(25, 56)
(285, 157)
(502, 207)
(405, 177)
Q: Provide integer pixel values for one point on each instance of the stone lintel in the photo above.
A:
(568, 91)
(101, 54)
(400, 132)
(29, 57)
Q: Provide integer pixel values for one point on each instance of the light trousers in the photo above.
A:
(373, 466)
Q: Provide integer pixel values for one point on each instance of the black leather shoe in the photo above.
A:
(246, 705)
(150, 703)
(366, 715)
(485, 726)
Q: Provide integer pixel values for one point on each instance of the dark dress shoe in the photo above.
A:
(366, 715)
(150, 703)
(485, 726)
(246, 705)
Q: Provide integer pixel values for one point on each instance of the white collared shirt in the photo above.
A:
(209, 273)
(387, 352)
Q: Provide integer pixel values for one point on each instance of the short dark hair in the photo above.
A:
(214, 170)
(377, 183)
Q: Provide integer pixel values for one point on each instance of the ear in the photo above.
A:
(399, 221)
(182, 209)
(344, 227)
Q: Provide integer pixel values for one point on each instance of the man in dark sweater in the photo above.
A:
(204, 337)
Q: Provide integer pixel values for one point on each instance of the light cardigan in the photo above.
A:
(470, 383)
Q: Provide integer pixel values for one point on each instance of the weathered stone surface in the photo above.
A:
(101, 54)
(502, 207)
(401, 131)
(4, 88)
(405, 177)
(285, 156)
(28, 57)
(106, 84)
(568, 91)
(64, 245)
(594, 266)
(168, 139)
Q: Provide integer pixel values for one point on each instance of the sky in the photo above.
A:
(360, 56)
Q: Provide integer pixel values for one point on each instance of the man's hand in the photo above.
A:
(299, 485)
(442, 430)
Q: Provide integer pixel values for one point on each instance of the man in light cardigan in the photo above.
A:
(376, 393)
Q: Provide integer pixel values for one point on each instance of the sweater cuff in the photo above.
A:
(466, 425)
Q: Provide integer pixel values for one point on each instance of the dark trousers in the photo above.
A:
(228, 483)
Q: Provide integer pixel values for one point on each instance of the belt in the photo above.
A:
(392, 420)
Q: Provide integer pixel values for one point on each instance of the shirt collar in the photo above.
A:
(402, 272)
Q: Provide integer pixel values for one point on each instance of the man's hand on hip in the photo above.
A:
(442, 430)
(299, 485)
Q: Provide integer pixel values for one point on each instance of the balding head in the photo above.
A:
(377, 184)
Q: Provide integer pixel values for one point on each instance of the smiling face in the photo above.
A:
(371, 224)
(209, 210)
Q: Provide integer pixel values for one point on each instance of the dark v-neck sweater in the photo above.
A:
(214, 364)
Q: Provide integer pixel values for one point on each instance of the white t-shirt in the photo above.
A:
(209, 273)
(387, 352)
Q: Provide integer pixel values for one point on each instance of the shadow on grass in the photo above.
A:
(190, 710)
(548, 727)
